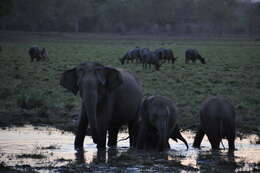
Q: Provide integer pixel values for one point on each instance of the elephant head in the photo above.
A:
(94, 82)
(158, 119)
(158, 124)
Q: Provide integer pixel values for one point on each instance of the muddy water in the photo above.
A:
(45, 149)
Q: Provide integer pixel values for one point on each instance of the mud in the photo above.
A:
(45, 149)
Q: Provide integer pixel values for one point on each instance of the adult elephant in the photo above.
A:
(110, 98)
(158, 124)
(217, 121)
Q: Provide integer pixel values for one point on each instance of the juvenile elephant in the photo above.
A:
(158, 123)
(193, 55)
(131, 55)
(217, 121)
(166, 54)
(110, 97)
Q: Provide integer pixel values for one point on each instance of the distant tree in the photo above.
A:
(5, 7)
(217, 12)
(254, 19)
(31, 13)
(74, 11)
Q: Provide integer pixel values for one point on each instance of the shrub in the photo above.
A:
(30, 101)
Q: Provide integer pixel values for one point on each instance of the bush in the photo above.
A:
(30, 101)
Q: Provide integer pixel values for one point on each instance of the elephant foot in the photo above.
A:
(112, 144)
(101, 146)
(78, 145)
(79, 148)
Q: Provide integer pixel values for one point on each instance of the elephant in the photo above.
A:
(158, 123)
(217, 121)
(131, 55)
(193, 55)
(110, 98)
(37, 53)
(166, 54)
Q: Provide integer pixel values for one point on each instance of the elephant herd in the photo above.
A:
(112, 97)
(156, 58)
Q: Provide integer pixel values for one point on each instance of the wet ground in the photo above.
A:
(45, 149)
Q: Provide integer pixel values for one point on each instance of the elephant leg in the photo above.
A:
(81, 131)
(133, 132)
(102, 142)
(112, 137)
(214, 143)
(231, 144)
(198, 138)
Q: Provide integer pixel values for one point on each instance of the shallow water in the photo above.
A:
(56, 149)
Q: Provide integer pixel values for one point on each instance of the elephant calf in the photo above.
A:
(217, 121)
(158, 123)
(36, 53)
(193, 55)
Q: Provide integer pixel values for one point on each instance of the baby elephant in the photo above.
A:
(36, 53)
(217, 121)
(193, 55)
(158, 123)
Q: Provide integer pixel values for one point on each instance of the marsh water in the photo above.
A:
(46, 149)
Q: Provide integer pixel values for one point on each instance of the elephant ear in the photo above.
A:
(69, 80)
(109, 76)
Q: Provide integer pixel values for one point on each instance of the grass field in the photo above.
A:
(30, 92)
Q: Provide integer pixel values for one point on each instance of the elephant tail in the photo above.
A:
(220, 133)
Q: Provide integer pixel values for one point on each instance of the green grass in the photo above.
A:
(30, 92)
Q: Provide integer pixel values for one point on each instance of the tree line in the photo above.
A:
(213, 17)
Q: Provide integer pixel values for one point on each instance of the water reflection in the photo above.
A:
(58, 148)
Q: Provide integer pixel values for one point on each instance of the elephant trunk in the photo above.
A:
(163, 136)
(90, 102)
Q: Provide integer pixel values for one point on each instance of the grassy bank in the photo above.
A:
(30, 92)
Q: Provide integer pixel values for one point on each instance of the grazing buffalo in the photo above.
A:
(193, 55)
